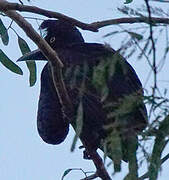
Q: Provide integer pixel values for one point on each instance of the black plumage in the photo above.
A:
(112, 105)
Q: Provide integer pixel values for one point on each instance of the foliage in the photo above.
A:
(141, 43)
(9, 64)
(136, 40)
(24, 49)
(31, 65)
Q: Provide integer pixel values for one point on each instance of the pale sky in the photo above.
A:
(23, 154)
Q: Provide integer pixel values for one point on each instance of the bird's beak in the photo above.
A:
(32, 56)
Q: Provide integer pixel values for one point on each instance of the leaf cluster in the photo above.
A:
(7, 62)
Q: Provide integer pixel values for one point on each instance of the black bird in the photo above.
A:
(102, 81)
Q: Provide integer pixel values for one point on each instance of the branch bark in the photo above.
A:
(95, 26)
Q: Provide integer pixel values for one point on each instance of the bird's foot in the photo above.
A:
(85, 154)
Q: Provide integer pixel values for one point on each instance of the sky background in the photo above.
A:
(23, 154)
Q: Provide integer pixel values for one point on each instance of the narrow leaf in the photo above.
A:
(136, 35)
(74, 143)
(31, 65)
(23, 46)
(66, 172)
(110, 34)
(9, 64)
(4, 33)
(32, 70)
(128, 1)
(79, 121)
(79, 125)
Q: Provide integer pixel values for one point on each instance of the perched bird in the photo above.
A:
(100, 81)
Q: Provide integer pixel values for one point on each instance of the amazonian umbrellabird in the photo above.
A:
(100, 80)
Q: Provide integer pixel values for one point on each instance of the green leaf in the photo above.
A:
(79, 121)
(31, 65)
(128, 1)
(113, 148)
(110, 34)
(9, 64)
(4, 33)
(32, 70)
(101, 73)
(74, 143)
(136, 35)
(23, 46)
(79, 125)
(66, 172)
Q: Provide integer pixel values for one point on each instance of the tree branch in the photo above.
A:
(146, 175)
(131, 20)
(91, 27)
(159, 145)
(93, 176)
(101, 171)
(50, 14)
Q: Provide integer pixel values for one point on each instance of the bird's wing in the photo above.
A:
(110, 83)
(106, 71)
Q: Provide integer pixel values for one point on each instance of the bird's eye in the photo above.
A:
(52, 39)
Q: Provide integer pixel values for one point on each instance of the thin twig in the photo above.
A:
(153, 46)
(163, 1)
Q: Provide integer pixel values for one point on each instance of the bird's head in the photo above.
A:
(58, 34)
